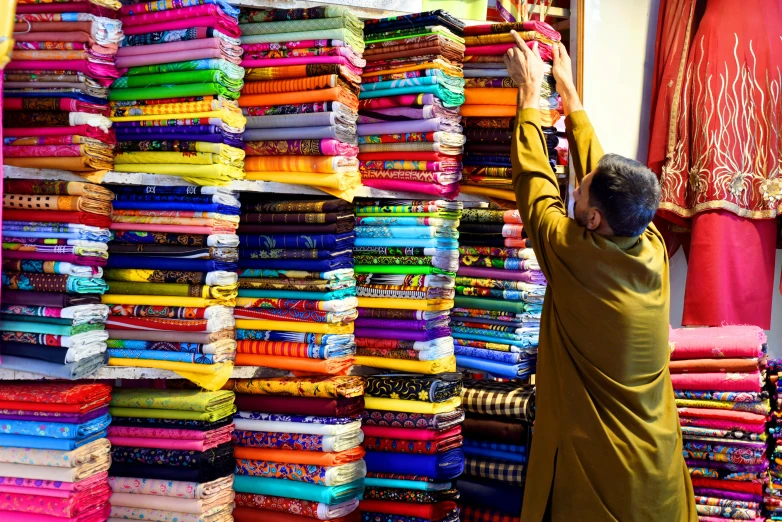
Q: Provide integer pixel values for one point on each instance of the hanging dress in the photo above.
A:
(716, 143)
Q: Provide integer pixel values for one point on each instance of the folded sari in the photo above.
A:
(294, 489)
(293, 456)
(324, 387)
(302, 405)
(321, 147)
(442, 466)
(309, 474)
(319, 164)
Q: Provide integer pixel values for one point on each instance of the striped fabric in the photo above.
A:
(499, 398)
(507, 472)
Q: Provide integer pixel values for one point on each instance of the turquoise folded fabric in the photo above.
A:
(454, 83)
(39, 328)
(435, 242)
(447, 96)
(406, 484)
(482, 303)
(309, 296)
(299, 490)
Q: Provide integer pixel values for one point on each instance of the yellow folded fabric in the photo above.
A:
(157, 300)
(493, 39)
(290, 326)
(426, 408)
(233, 117)
(431, 305)
(210, 377)
(208, 103)
(507, 195)
(167, 413)
(341, 181)
(449, 69)
(208, 175)
(312, 164)
(179, 158)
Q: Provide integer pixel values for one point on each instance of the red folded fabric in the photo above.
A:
(78, 130)
(409, 434)
(729, 485)
(157, 324)
(58, 216)
(728, 415)
(428, 511)
(749, 382)
(716, 343)
(243, 514)
(224, 24)
(53, 396)
(423, 156)
(301, 405)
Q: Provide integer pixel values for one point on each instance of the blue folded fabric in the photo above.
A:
(309, 265)
(160, 355)
(507, 371)
(172, 204)
(257, 253)
(47, 443)
(492, 355)
(169, 263)
(406, 484)
(298, 241)
(57, 430)
(441, 466)
(435, 242)
(471, 451)
(490, 494)
(288, 294)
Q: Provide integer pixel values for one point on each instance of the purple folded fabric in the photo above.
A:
(400, 324)
(49, 416)
(403, 335)
(732, 495)
(406, 113)
(304, 60)
(397, 127)
(727, 466)
(50, 299)
(526, 276)
(168, 47)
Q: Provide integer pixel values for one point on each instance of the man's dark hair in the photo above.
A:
(626, 192)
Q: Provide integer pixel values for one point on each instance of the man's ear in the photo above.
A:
(594, 218)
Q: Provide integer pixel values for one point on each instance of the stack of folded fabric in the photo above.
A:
(717, 376)
(54, 454)
(772, 496)
(301, 96)
(297, 290)
(413, 439)
(171, 453)
(55, 92)
(496, 445)
(298, 450)
(499, 295)
(175, 109)
(172, 281)
(410, 132)
(54, 248)
(490, 104)
(406, 257)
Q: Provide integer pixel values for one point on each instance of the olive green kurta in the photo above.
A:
(607, 443)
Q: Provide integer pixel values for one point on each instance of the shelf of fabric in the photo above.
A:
(138, 178)
(243, 372)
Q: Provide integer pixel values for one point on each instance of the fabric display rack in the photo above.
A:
(53, 452)
(497, 431)
(56, 88)
(303, 70)
(499, 295)
(174, 108)
(298, 449)
(718, 379)
(490, 104)
(54, 251)
(297, 289)
(410, 133)
(171, 454)
(172, 281)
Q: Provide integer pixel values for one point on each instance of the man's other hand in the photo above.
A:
(526, 69)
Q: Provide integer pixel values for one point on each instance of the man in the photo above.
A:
(607, 442)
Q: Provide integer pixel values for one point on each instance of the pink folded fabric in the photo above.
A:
(74, 505)
(47, 151)
(50, 488)
(171, 444)
(224, 24)
(81, 130)
(727, 415)
(713, 343)
(100, 515)
(301, 44)
(166, 433)
(54, 36)
(179, 229)
(408, 434)
(46, 256)
(75, 7)
(500, 49)
(199, 43)
(183, 13)
(435, 189)
(177, 56)
(722, 425)
(305, 60)
(65, 104)
(717, 381)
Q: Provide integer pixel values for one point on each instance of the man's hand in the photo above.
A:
(562, 69)
(526, 69)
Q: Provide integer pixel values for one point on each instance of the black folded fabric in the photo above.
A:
(495, 429)
(490, 494)
(219, 469)
(52, 299)
(276, 206)
(167, 457)
(415, 387)
(340, 227)
(55, 354)
(171, 423)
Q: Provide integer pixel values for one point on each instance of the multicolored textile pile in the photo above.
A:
(297, 289)
(406, 257)
(54, 251)
(410, 132)
(496, 446)
(171, 455)
(172, 281)
(772, 495)
(301, 97)
(718, 378)
(54, 456)
(175, 109)
(298, 449)
(499, 295)
(490, 104)
(413, 439)
(56, 87)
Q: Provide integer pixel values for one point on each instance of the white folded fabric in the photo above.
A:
(221, 278)
(222, 240)
(242, 422)
(84, 340)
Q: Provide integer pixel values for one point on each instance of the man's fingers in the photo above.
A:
(535, 50)
(561, 49)
(521, 44)
(555, 51)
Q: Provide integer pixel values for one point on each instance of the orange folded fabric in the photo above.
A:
(337, 366)
(488, 111)
(291, 84)
(308, 458)
(713, 365)
(490, 96)
(339, 94)
(76, 164)
(319, 164)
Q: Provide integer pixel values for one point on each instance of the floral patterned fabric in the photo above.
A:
(325, 387)
(415, 496)
(290, 441)
(393, 419)
(164, 457)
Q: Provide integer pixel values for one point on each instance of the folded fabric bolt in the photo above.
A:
(297, 427)
(290, 441)
(293, 489)
(325, 387)
(324, 476)
(302, 405)
(181, 505)
(71, 474)
(295, 456)
(378, 403)
(179, 489)
(442, 466)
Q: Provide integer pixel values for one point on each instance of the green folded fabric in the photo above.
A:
(356, 41)
(288, 294)
(233, 71)
(177, 78)
(349, 22)
(482, 303)
(46, 328)
(150, 413)
(173, 91)
(446, 95)
(299, 490)
(75, 329)
(135, 288)
(403, 34)
(184, 400)
(403, 270)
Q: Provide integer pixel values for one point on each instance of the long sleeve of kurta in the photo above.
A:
(607, 444)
